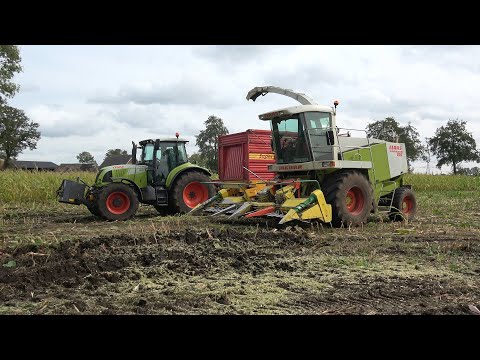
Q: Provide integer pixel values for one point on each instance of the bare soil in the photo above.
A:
(57, 261)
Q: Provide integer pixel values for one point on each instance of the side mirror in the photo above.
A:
(134, 153)
(330, 137)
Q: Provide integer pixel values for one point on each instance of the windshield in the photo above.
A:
(147, 153)
(173, 151)
(289, 139)
(318, 123)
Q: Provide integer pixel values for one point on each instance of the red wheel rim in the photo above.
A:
(407, 205)
(355, 200)
(194, 194)
(118, 202)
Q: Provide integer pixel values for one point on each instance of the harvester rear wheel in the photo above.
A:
(188, 191)
(351, 197)
(117, 202)
(404, 205)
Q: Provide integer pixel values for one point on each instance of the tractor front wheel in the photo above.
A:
(351, 197)
(188, 191)
(117, 202)
(93, 210)
(404, 205)
(92, 206)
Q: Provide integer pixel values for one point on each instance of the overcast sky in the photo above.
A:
(94, 98)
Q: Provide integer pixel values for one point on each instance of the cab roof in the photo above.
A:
(294, 110)
(151, 141)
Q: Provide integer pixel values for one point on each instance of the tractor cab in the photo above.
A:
(161, 156)
(302, 134)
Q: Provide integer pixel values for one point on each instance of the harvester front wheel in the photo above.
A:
(188, 191)
(404, 205)
(351, 197)
(117, 202)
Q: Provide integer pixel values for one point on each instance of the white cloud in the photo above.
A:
(95, 98)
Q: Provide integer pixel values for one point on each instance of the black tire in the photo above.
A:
(177, 200)
(354, 187)
(117, 202)
(404, 205)
(94, 210)
(92, 206)
(162, 210)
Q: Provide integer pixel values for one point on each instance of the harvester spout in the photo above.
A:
(315, 207)
(263, 90)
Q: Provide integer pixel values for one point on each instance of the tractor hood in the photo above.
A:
(128, 171)
(125, 167)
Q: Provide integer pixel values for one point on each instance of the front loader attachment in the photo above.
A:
(71, 192)
(267, 199)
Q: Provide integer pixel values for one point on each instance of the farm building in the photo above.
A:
(116, 160)
(34, 165)
(76, 167)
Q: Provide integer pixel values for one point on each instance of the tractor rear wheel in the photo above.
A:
(188, 191)
(117, 202)
(351, 197)
(404, 205)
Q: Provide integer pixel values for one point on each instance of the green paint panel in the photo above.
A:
(379, 161)
(123, 173)
(141, 177)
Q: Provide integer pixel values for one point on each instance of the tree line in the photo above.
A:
(451, 144)
(17, 132)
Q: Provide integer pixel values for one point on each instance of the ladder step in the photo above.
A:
(383, 208)
(162, 196)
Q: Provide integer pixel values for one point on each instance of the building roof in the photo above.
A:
(76, 167)
(34, 164)
(115, 160)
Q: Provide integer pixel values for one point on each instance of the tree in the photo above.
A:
(474, 171)
(426, 156)
(197, 159)
(112, 152)
(453, 144)
(207, 141)
(17, 132)
(9, 66)
(86, 158)
(390, 130)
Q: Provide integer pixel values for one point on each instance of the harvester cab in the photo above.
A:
(323, 172)
(162, 177)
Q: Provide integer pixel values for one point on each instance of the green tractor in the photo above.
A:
(163, 177)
